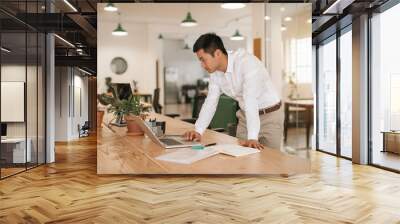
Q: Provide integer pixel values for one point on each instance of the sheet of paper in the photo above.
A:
(234, 150)
(187, 155)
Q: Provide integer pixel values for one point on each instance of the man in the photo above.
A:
(243, 77)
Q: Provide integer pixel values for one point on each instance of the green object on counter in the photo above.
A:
(198, 147)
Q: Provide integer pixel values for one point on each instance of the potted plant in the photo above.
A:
(124, 110)
(130, 109)
(111, 99)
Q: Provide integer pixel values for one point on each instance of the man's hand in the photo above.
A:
(192, 136)
(251, 143)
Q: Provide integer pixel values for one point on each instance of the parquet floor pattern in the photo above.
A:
(69, 191)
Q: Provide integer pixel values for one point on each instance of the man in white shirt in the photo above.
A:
(243, 77)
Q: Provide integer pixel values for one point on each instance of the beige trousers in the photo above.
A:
(271, 128)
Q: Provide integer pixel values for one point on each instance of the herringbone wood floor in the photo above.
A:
(69, 191)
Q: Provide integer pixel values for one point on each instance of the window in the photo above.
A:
(385, 89)
(327, 96)
(346, 94)
(300, 58)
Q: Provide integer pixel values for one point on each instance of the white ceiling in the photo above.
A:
(206, 14)
(210, 16)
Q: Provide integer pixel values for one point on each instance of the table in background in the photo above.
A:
(13, 150)
(308, 106)
(391, 141)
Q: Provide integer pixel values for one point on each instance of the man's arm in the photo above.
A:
(209, 106)
(250, 94)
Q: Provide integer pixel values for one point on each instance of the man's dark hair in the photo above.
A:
(209, 42)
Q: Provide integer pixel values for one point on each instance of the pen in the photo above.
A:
(211, 144)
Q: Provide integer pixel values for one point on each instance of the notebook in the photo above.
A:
(234, 150)
(189, 156)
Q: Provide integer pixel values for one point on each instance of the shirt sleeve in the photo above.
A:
(253, 75)
(209, 106)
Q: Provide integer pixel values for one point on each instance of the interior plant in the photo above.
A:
(292, 84)
(130, 109)
(124, 110)
(103, 100)
(110, 99)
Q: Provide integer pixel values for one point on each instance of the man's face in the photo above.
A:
(208, 62)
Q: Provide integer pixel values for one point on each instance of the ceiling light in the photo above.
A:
(283, 28)
(64, 40)
(110, 7)
(309, 21)
(282, 9)
(79, 50)
(287, 19)
(267, 18)
(70, 5)
(237, 36)
(119, 31)
(189, 21)
(233, 5)
(5, 50)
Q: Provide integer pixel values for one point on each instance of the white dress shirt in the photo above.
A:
(247, 81)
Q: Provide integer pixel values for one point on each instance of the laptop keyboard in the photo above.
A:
(170, 141)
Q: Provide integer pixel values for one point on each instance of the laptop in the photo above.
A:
(166, 141)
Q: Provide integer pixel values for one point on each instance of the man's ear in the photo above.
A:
(217, 53)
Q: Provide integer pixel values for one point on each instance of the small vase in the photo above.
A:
(100, 115)
(133, 128)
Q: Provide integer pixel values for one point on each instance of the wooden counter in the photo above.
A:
(118, 153)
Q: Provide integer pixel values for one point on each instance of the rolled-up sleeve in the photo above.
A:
(209, 106)
(251, 91)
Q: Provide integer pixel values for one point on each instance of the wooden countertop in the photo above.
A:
(118, 153)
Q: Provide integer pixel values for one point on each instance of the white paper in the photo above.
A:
(187, 155)
(234, 150)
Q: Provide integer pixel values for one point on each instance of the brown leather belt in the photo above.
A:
(270, 109)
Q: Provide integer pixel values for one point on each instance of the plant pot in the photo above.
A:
(100, 116)
(133, 127)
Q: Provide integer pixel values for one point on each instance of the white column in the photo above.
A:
(258, 29)
(274, 54)
(50, 99)
(360, 90)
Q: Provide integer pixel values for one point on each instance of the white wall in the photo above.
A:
(17, 73)
(184, 62)
(61, 103)
(81, 105)
(134, 48)
(33, 127)
(189, 69)
(68, 83)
